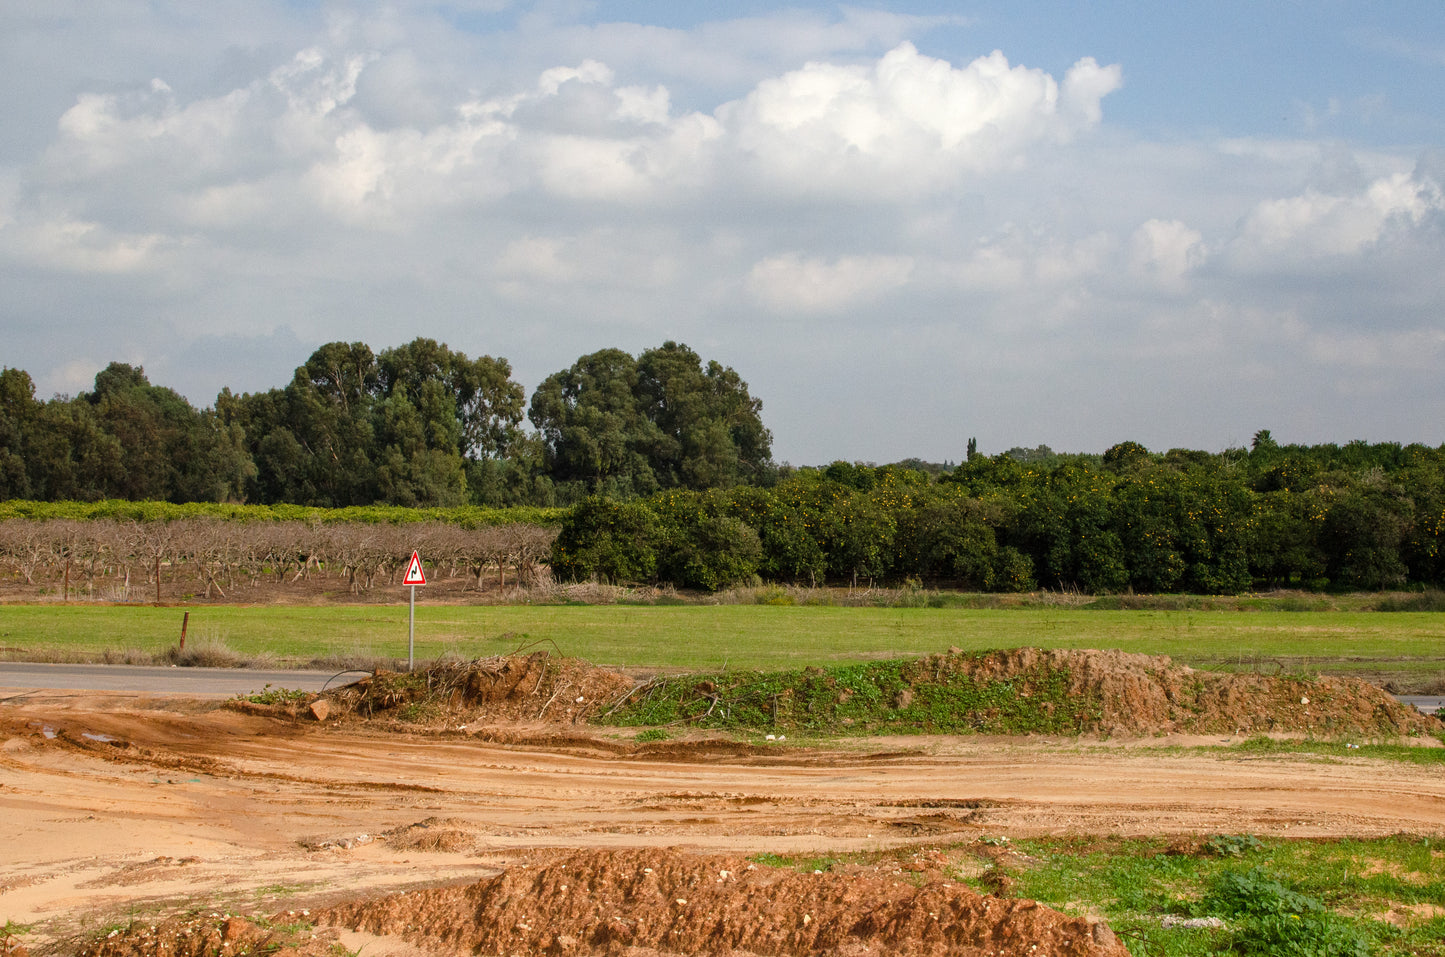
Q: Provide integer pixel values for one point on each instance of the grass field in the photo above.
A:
(1405, 644)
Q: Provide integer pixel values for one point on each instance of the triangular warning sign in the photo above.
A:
(414, 574)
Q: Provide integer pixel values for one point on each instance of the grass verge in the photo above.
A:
(1341, 750)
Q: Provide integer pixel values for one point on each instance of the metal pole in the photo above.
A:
(411, 633)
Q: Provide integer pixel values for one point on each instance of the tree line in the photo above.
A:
(1355, 517)
(665, 468)
(420, 425)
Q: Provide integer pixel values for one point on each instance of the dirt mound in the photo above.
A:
(1015, 691)
(285, 935)
(1147, 694)
(1021, 691)
(433, 834)
(655, 901)
(506, 688)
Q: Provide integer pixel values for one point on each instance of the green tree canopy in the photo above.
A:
(404, 427)
(169, 451)
(613, 424)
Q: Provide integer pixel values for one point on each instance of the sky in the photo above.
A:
(905, 225)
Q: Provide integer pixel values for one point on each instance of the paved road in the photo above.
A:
(191, 681)
(1426, 703)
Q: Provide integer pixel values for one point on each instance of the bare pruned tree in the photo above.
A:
(224, 555)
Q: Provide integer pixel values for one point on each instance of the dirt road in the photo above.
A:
(109, 802)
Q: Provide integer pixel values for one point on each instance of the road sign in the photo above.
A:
(414, 574)
(414, 577)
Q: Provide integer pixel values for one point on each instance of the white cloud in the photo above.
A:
(790, 283)
(1085, 85)
(589, 71)
(908, 123)
(602, 257)
(84, 247)
(1021, 263)
(1165, 251)
(271, 123)
(732, 54)
(1314, 228)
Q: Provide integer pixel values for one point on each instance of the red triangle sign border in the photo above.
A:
(414, 573)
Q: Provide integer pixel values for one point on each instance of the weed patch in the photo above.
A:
(1232, 845)
(206, 654)
(1270, 918)
(277, 696)
(1431, 600)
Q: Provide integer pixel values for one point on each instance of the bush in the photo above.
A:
(699, 548)
(204, 654)
(609, 541)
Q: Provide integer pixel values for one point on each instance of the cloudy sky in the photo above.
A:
(904, 224)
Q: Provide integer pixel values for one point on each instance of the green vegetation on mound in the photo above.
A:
(1018, 691)
(876, 698)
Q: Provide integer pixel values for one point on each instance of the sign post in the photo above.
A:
(414, 577)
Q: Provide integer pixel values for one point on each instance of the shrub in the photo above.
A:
(708, 551)
(609, 541)
(204, 654)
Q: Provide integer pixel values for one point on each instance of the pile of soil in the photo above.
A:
(663, 902)
(1149, 694)
(1097, 692)
(538, 687)
(213, 936)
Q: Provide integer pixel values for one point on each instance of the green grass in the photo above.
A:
(699, 637)
(1135, 882)
(1325, 898)
(1430, 757)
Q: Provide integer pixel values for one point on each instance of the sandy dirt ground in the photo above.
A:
(117, 804)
